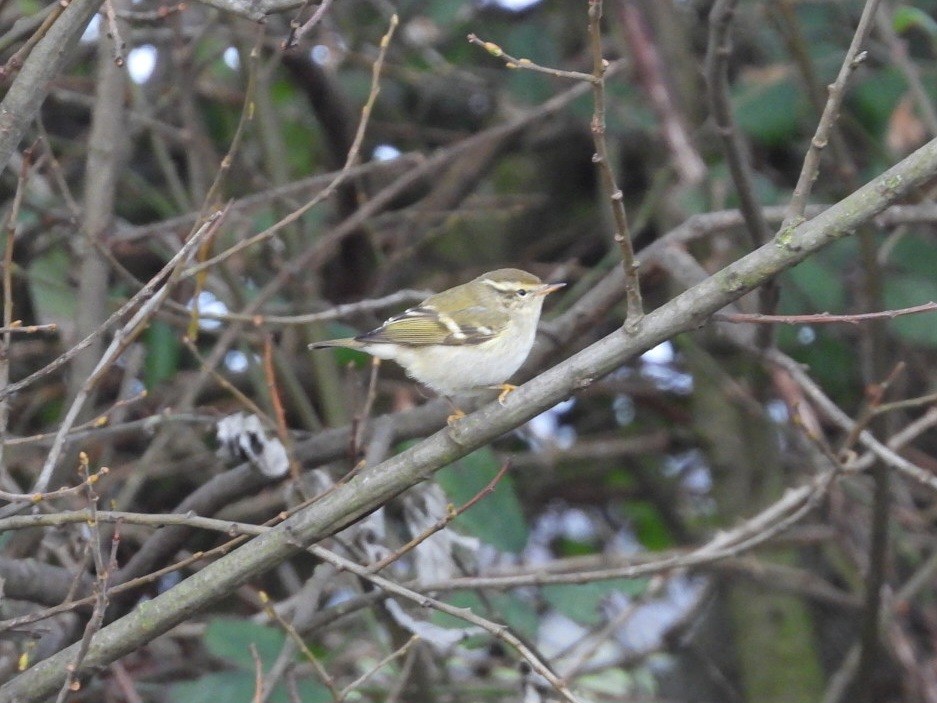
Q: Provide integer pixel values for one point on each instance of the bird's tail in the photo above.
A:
(347, 342)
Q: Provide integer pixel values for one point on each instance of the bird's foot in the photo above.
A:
(457, 412)
(506, 389)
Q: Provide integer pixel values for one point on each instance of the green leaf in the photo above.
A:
(162, 353)
(915, 254)
(906, 17)
(229, 686)
(497, 518)
(831, 359)
(648, 525)
(29, 7)
(298, 139)
(445, 13)
(508, 608)
(566, 547)
(239, 687)
(230, 639)
(55, 300)
(526, 40)
(820, 284)
(767, 110)
(580, 601)
(610, 682)
(874, 98)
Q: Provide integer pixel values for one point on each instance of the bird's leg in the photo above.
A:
(457, 412)
(506, 389)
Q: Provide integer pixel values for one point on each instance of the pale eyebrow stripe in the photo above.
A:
(503, 286)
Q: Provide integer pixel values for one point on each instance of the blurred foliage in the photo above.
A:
(514, 610)
(526, 197)
(163, 352)
(53, 296)
(244, 646)
(498, 519)
(769, 110)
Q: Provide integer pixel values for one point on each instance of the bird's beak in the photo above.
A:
(548, 288)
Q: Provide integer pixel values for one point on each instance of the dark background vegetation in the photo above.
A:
(494, 168)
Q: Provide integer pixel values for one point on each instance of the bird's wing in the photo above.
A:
(424, 325)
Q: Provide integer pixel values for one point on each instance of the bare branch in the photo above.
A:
(717, 71)
(374, 485)
(837, 90)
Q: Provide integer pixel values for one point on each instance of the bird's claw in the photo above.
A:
(506, 389)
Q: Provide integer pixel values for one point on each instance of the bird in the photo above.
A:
(472, 336)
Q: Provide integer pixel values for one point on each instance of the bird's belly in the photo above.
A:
(451, 369)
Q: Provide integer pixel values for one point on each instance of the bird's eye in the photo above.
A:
(521, 292)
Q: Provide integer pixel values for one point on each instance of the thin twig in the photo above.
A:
(441, 524)
(500, 632)
(301, 646)
(9, 227)
(360, 421)
(342, 176)
(247, 115)
(717, 79)
(25, 25)
(126, 683)
(811, 165)
(334, 313)
(160, 14)
(394, 694)
(652, 74)
(57, 519)
(103, 570)
(791, 28)
(101, 426)
(578, 654)
(16, 326)
(902, 438)
(279, 414)
(396, 654)
(874, 393)
(258, 672)
(124, 336)
(908, 403)
(899, 54)
(635, 309)
(846, 423)
(527, 64)
(15, 62)
(823, 318)
(166, 229)
(114, 31)
(224, 383)
(131, 304)
(146, 580)
(297, 32)
(792, 507)
(38, 497)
